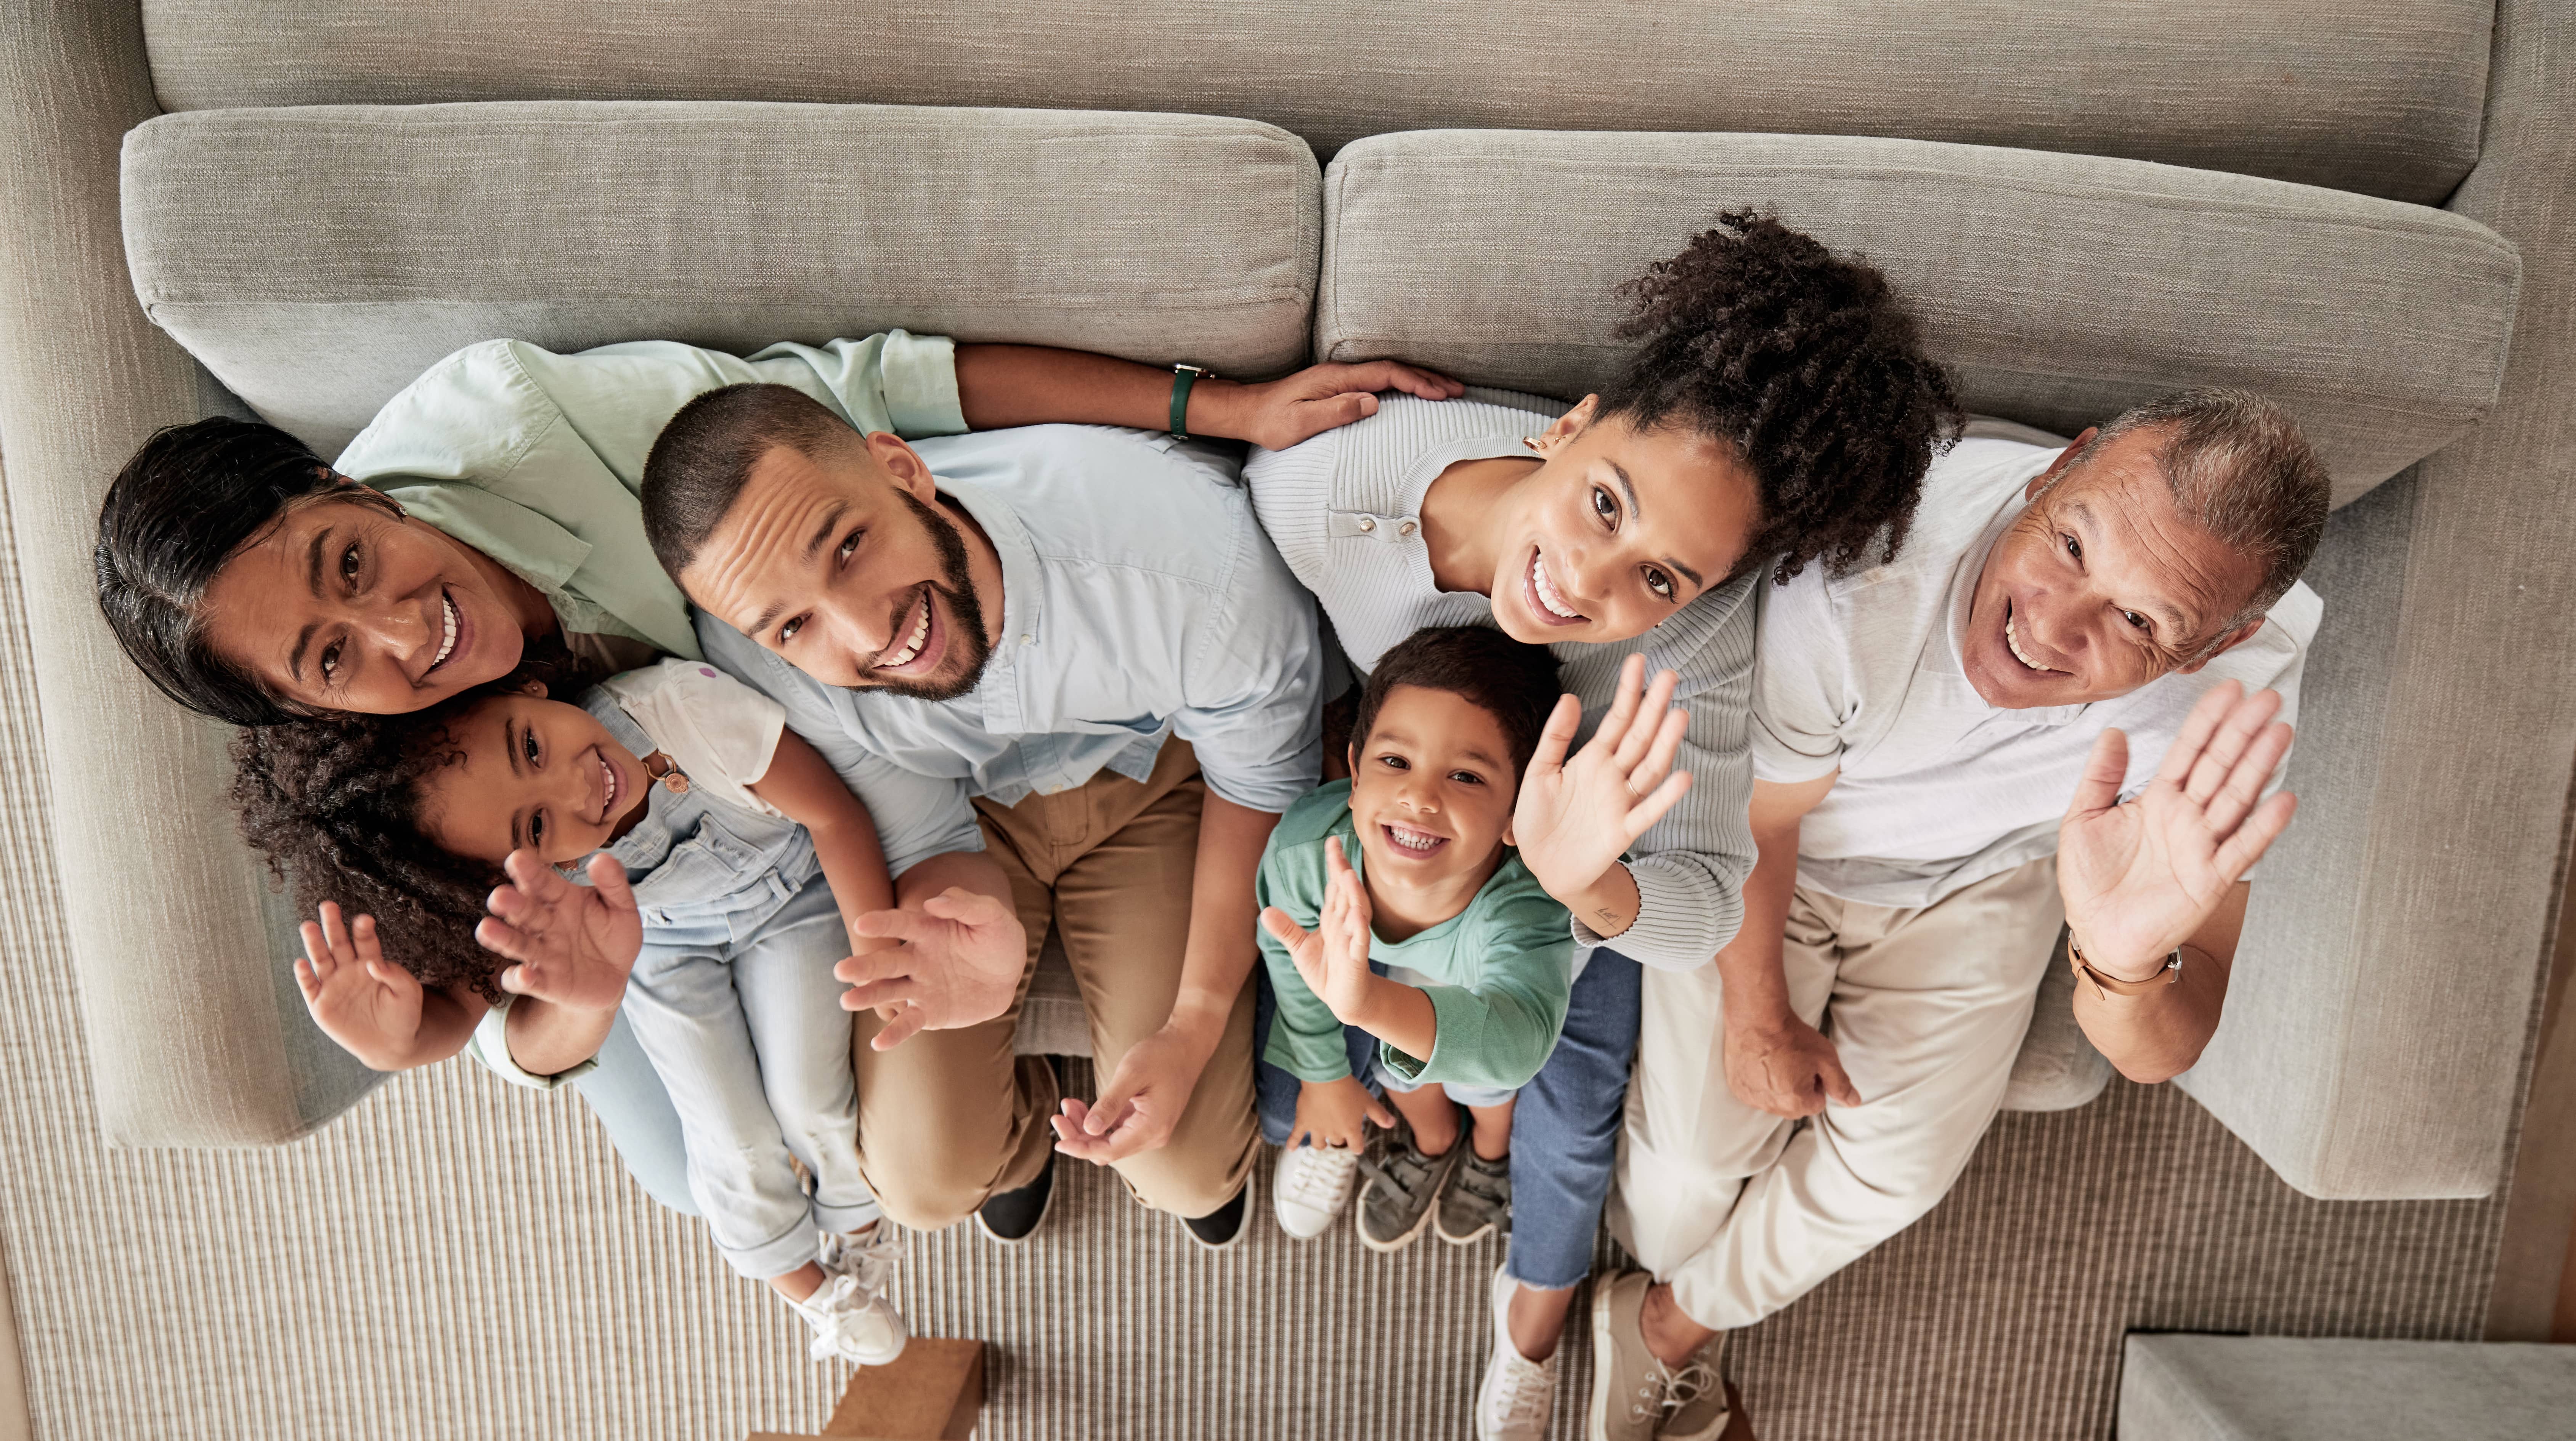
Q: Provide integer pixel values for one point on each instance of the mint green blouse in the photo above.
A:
(537, 459)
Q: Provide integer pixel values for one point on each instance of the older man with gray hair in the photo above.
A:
(2065, 703)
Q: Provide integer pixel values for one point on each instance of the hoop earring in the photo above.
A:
(1534, 443)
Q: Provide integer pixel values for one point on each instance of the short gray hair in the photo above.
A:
(2239, 469)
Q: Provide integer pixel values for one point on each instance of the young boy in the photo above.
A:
(1432, 944)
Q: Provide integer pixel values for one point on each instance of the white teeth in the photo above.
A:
(911, 644)
(2013, 640)
(1547, 595)
(447, 610)
(608, 787)
(1413, 840)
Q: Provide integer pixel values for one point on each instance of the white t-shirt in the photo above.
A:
(1938, 788)
(720, 732)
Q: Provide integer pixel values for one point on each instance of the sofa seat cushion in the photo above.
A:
(316, 260)
(2280, 1388)
(2062, 289)
(2384, 97)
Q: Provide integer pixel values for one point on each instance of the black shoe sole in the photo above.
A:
(1240, 1208)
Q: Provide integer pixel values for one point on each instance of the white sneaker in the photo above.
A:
(1311, 1187)
(1518, 1395)
(851, 1316)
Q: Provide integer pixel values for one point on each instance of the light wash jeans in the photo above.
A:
(1565, 1129)
(751, 1042)
(632, 1105)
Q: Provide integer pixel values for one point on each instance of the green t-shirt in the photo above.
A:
(1499, 971)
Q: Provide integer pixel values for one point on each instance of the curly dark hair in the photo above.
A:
(333, 802)
(1811, 366)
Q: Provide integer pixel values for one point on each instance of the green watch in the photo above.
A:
(1183, 377)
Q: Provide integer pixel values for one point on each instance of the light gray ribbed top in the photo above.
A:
(1345, 511)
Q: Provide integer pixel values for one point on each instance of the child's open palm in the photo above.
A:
(1332, 959)
(573, 944)
(370, 1006)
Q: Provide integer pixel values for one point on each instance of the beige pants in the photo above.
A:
(949, 1118)
(1744, 1211)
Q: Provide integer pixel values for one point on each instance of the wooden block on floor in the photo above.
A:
(932, 1392)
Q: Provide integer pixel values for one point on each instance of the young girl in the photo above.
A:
(745, 857)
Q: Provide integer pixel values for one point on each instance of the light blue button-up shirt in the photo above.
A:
(1140, 600)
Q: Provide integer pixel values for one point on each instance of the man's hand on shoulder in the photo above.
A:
(1279, 413)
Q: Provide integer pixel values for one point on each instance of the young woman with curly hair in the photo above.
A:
(1777, 413)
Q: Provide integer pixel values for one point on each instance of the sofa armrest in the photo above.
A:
(2382, 1010)
(163, 910)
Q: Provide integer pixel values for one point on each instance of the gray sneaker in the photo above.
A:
(1478, 1200)
(1395, 1206)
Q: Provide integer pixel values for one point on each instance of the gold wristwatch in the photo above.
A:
(2166, 975)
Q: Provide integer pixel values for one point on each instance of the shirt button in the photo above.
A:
(1407, 528)
(1028, 640)
(1368, 522)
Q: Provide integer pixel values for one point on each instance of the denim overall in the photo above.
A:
(733, 1000)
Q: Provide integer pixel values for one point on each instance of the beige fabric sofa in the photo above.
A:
(296, 205)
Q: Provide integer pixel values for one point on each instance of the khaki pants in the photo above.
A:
(1743, 1211)
(949, 1118)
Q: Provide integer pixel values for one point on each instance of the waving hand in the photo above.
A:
(2140, 876)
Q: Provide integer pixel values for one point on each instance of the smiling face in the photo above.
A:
(1432, 787)
(1616, 529)
(536, 773)
(2101, 584)
(346, 605)
(842, 564)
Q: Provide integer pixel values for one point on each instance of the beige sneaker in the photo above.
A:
(1698, 1402)
(1635, 1396)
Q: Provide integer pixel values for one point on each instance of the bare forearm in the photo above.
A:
(548, 1038)
(1749, 967)
(1006, 385)
(1608, 905)
(2157, 1034)
(967, 870)
(1400, 1015)
(447, 1022)
(854, 866)
(1222, 946)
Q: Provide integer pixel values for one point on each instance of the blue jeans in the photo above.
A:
(750, 1039)
(1565, 1129)
(627, 1098)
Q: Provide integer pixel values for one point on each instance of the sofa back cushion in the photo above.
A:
(2383, 97)
(316, 260)
(2062, 289)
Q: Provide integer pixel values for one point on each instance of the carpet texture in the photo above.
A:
(457, 1259)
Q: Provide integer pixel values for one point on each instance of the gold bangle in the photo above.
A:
(2110, 985)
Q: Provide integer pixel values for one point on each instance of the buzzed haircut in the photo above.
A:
(2241, 470)
(1513, 682)
(704, 457)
